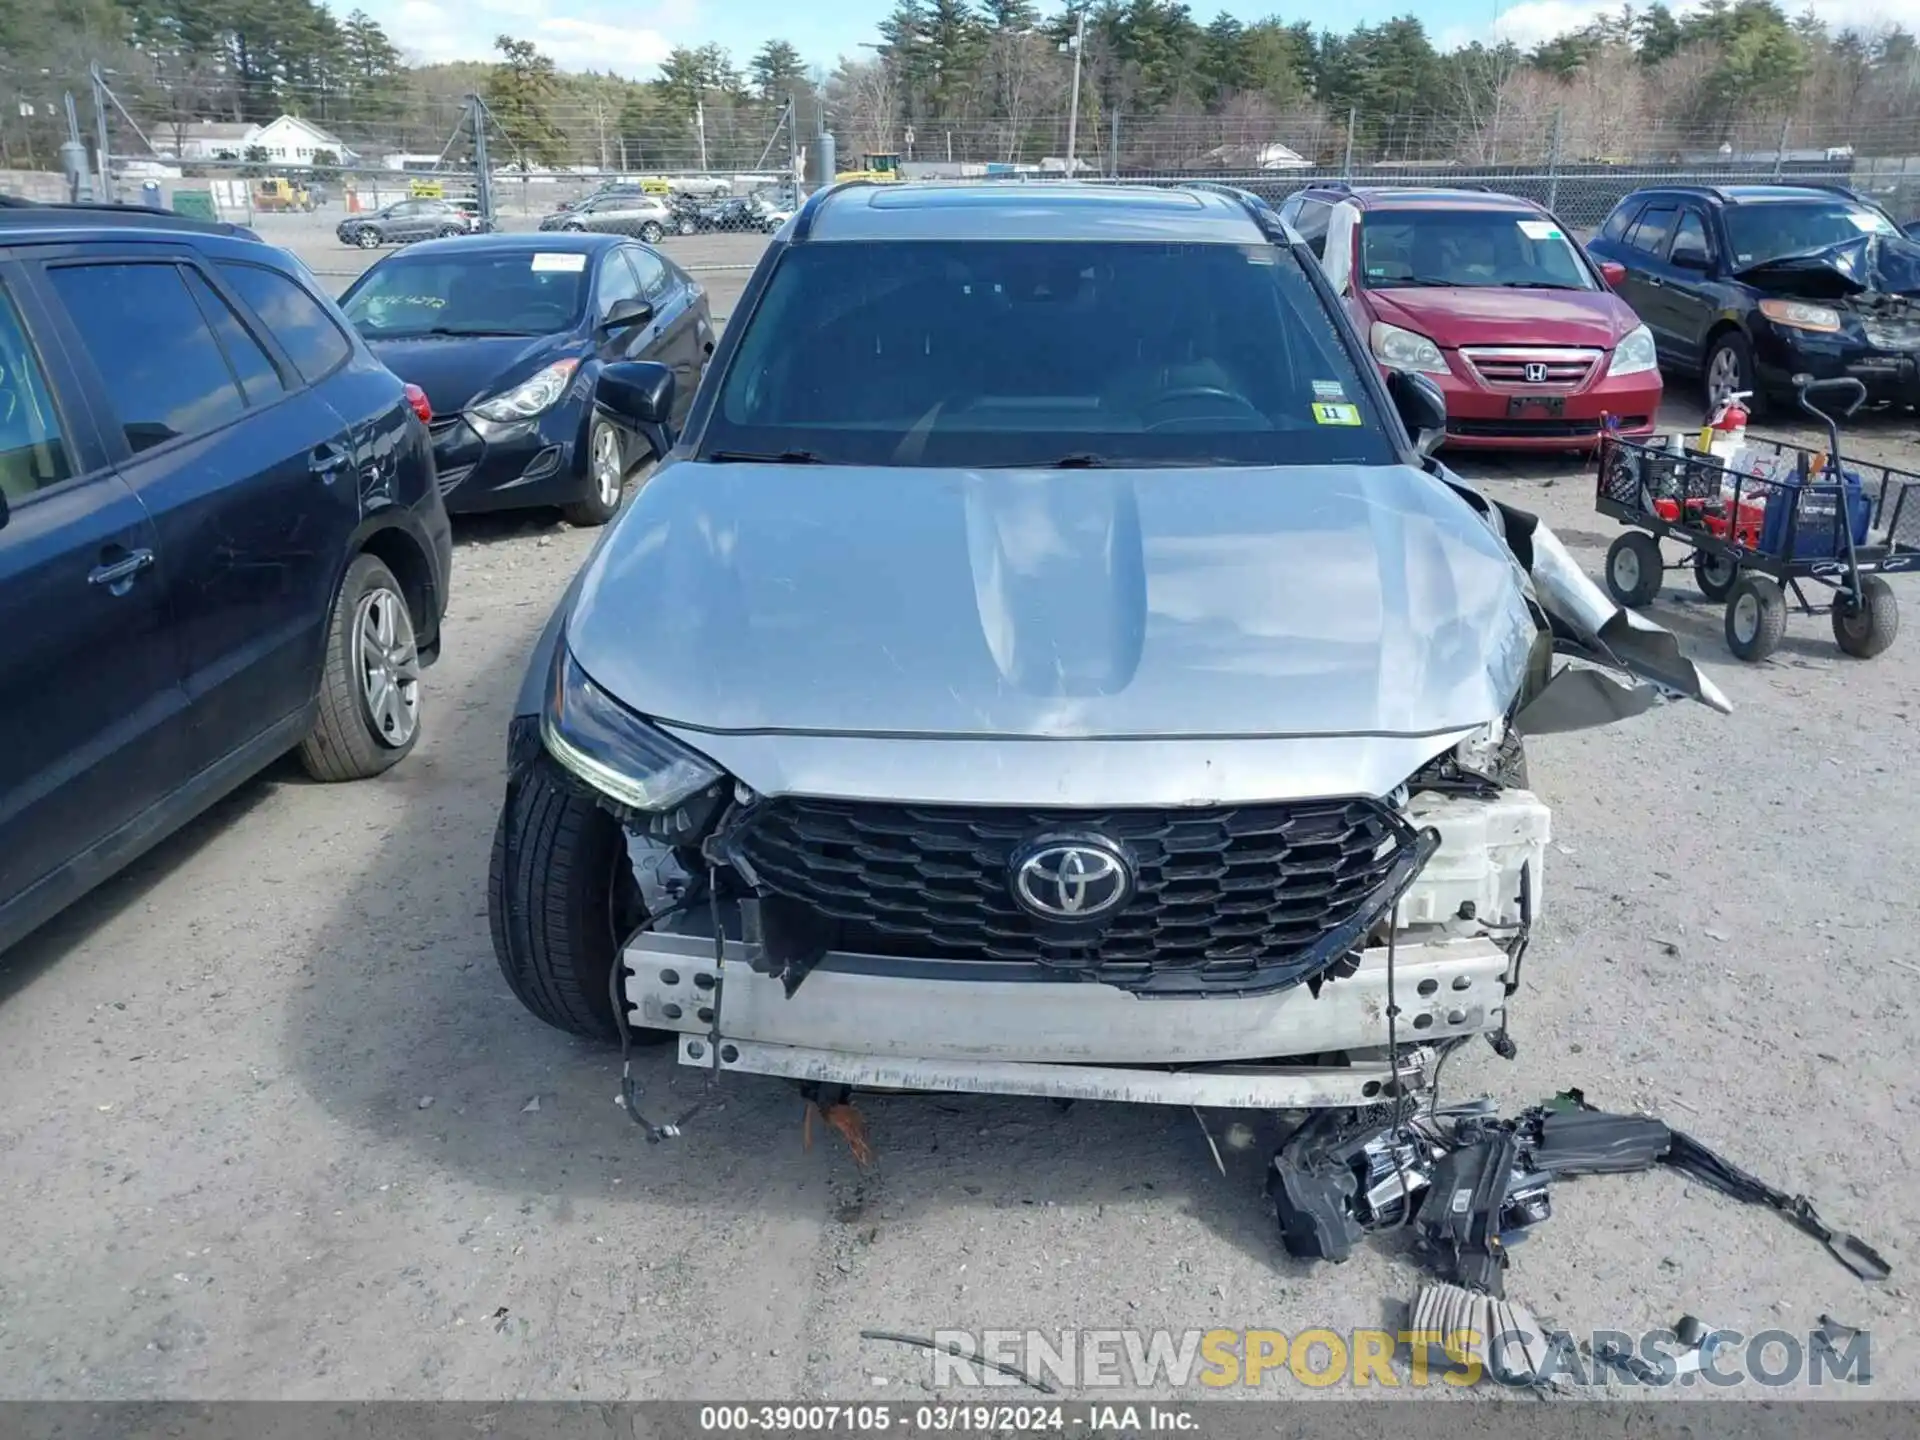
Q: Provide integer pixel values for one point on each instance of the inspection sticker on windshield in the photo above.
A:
(1540, 230)
(1336, 414)
(1329, 390)
(553, 260)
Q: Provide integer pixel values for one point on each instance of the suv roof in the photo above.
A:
(1752, 194)
(1046, 210)
(64, 222)
(1435, 197)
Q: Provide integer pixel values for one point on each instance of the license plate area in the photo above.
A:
(1545, 407)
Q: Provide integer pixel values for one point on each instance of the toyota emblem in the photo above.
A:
(1536, 373)
(1071, 880)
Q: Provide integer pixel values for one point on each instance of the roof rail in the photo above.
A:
(803, 222)
(1258, 210)
(18, 213)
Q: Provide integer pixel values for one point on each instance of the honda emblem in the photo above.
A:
(1536, 373)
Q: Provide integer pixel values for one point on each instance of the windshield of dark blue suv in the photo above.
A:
(479, 293)
(997, 353)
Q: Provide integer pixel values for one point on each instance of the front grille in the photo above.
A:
(1530, 429)
(1226, 897)
(451, 477)
(1516, 368)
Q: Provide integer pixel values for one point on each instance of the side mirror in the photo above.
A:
(1688, 260)
(637, 391)
(1423, 409)
(625, 314)
(1911, 229)
(1614, 273)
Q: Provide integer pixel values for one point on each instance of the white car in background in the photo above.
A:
(704, 186)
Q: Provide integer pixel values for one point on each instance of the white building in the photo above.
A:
(287, 141)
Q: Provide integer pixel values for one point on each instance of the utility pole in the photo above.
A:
(104, 187)
(73, 157)
(700, 124)
(1073, 113)
(793, 146)
(482, 170)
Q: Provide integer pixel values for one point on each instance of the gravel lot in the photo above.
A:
(269, 1109)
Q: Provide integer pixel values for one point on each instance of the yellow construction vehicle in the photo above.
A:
(883, 169)
(276, 194)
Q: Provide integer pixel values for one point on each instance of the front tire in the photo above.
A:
(1728, 371)
(560, 900)
(652, 233)
(367, 239)
(369, 708)
(606, 477)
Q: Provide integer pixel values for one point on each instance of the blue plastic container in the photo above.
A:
(1815, 535)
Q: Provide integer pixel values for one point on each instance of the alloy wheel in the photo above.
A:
(1723, 375)
(387, 662)
(605, 463)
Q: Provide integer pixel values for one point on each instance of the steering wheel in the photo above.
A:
(1188, 393)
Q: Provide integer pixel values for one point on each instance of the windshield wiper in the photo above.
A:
(1538, 285)
(1392, 281)
(750, 457)
(1082, 460)
(447, 332)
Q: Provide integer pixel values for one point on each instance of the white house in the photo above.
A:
(297, 141)
(208, 139)
(288, 141)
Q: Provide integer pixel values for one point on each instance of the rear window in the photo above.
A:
(1034, 353)
(485, 292)
(298, 321)
(1468, 248)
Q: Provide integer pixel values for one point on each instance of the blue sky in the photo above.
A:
(631, 36)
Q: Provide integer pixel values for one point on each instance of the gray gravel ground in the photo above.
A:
(267, 1108)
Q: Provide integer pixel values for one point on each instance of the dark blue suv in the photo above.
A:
(1747, 286)
(220, 539)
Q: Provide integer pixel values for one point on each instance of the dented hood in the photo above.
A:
(1878, 264)
(1162, 603)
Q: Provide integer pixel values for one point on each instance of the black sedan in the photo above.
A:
(506, 334)
(402, 222)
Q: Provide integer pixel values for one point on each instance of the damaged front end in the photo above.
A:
(1850, 309)
(1314, 932)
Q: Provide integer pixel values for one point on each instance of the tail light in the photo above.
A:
(417, 398)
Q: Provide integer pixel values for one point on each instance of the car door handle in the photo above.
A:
(115, 575)
(328, 461)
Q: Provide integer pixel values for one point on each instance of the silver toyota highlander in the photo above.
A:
(1050, 663)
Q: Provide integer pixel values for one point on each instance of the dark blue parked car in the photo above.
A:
(507, 335)
(1747, 286)
(220, 539)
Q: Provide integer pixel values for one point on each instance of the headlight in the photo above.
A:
(1798, 315)
(529, 398)
(603, 743)
(1399, 349)
(1634, 354)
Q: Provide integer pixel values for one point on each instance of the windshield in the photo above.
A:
(479, 293)
(1037, 353)
(1470, 248)
(1773, 228)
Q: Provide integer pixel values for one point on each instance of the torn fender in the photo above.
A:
(1592, 631)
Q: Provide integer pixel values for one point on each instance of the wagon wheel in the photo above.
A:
(1869, 627)
(1756, 618)
(1714, 575)
(1634, 568)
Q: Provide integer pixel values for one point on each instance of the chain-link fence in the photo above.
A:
(642, 161)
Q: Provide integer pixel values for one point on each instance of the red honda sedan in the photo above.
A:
(1489, 296)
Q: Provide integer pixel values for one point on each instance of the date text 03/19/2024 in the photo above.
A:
(937, 1418)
